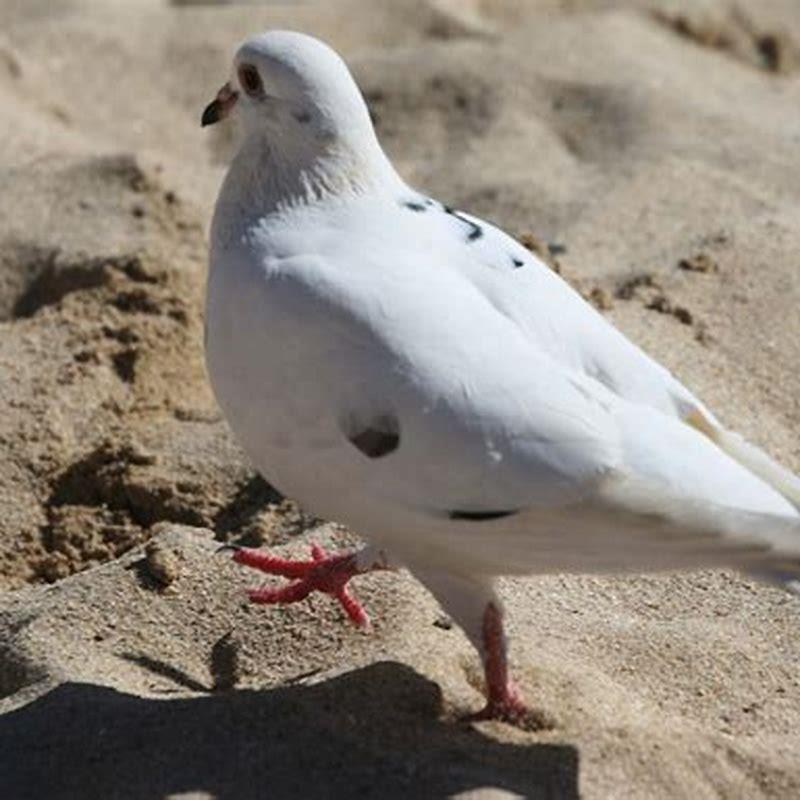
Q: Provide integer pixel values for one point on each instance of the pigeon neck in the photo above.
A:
(273, 177)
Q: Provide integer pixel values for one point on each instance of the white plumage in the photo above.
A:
(415, 373)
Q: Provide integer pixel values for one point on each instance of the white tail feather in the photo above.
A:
(749, 456)
(627, 525)
(759, 463)
(768, 545)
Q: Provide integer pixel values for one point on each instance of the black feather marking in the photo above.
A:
(517, 262)
(481, 516)
(378, 439)
(413, 205)
(476, 231)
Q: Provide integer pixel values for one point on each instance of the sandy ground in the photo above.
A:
(652, 145)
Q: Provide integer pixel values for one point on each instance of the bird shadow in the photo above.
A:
(373, 732)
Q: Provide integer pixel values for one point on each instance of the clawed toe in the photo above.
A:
(272, 565)
(293, 593)
(324, 573)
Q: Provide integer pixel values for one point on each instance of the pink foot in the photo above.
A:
(504, 701)
(324, 573)
(506, 707)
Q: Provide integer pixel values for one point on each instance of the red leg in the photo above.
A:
(504, 701)
(324, 573)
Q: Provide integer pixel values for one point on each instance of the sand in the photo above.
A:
(650, 148)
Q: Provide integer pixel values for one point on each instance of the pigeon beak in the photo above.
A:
(220, 106)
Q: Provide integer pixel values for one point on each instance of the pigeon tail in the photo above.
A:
(750, 457)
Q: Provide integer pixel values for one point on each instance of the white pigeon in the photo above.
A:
(415, 373)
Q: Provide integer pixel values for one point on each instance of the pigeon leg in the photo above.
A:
(503, 699)
(472, 603)
(323, 573)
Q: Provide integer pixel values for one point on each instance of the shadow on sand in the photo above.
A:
(373, 732)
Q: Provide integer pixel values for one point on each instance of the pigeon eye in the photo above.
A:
(250, 80)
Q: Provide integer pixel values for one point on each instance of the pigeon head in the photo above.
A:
(294, 90)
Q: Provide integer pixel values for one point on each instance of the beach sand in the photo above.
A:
(652, 147)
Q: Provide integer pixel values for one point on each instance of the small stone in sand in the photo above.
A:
(540, 248)
(225, 663)
(626, 290)
(664, 305)
(162, 563)
(601, 298)
(700, 262)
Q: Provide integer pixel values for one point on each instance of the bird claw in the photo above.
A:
(324, 573)
(227, 546)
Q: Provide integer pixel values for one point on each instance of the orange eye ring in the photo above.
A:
(250, 80)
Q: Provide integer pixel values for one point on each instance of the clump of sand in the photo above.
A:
(648, 149)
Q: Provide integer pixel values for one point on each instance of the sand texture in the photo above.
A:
(649, 149)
